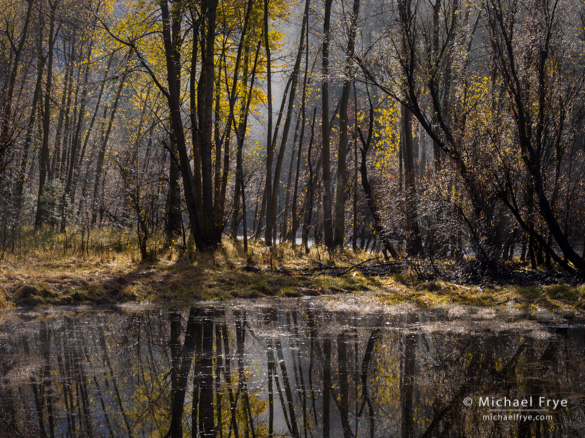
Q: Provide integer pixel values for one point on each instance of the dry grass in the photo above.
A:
(560, 298)
(49, 272)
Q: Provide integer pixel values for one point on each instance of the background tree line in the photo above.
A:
(435, 130)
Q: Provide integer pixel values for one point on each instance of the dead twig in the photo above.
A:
(345, 271)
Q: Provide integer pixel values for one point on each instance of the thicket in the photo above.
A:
(435, 132)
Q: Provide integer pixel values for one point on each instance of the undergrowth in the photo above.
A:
(46, 267)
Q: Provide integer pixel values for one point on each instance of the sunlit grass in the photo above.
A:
(48, 267)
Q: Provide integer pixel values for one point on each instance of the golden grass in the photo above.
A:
(110, 272)
(59, 273)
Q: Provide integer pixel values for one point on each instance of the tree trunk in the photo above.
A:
(29, 136)
(171, 38)
(325, 128)
(205, 92)
(343, 131)
(370, 199)
(44, 153)
(97, 187)
(413, 239)
(310, 193)
(291, 105)
(7, 94)
(240, 134)
(269, 150)
(174, 221)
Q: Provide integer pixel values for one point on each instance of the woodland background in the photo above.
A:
(431, 130)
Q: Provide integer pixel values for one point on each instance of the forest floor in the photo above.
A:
(50, 277)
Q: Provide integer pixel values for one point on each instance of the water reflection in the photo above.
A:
(290, 368)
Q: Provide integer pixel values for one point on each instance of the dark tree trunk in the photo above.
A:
(269, 149)
(325, 128)
(205, 112)
(97, 201)
(174, 221)
(44, 157)
(343, 131)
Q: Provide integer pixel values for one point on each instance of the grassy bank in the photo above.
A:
(112, 273)
(53, 273)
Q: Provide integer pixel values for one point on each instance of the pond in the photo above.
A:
(290, 367)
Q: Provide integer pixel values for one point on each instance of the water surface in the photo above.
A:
(292, 367)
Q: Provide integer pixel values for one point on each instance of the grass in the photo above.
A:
(54, 269)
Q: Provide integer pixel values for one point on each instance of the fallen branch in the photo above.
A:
(345, 271)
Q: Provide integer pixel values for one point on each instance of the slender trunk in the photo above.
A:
(44, 153)
(181, 360)
(343, 359)
(413, 246)
(174, 221)
(413, 239)
(243, 50)
(296, 219)
(269, 150)
(326, 387)
(407, 387)
(291, 105)
(240, 134)
(172, 38)
(206, 399)
(436, 26)
(76, 170)
(7, 95)
(28, 137)
(68, 193)
(309, 208)
(339, 231)
(370, 199)
(97, 187)
(355, 170)
(285, 221)
(64, 109)
(325, 128)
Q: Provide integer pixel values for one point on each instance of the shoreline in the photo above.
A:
(60, 282)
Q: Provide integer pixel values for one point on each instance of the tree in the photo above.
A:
(542, 103)
(343, 128)
(325, 126)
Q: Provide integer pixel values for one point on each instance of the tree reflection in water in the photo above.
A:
(285, 369)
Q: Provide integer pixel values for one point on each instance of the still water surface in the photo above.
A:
(295, 368)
